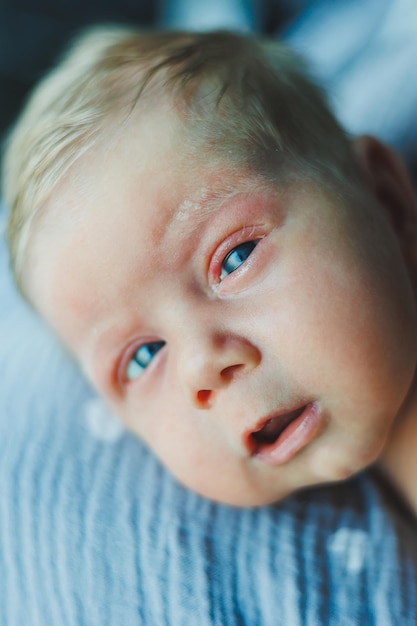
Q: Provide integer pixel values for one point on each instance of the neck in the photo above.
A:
(399, 459)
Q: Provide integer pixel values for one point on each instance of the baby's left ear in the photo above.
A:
(387, 177)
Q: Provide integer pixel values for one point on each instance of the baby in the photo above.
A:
(235, 276)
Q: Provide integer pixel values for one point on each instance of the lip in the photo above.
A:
(299, 427)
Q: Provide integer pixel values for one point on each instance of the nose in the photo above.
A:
(214, 364)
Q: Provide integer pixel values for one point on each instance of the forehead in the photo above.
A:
(150, 151)
(136, 186)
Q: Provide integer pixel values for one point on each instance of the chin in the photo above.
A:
(246, 498)
(343, 465)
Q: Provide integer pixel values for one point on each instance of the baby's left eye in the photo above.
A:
(142, 358)
(236, 257)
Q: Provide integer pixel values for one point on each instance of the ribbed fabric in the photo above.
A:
(94, 533)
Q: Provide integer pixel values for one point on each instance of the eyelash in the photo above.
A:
(240, 239)
(245, 245)
(134, 364)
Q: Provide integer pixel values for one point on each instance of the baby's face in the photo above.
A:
(258, 338)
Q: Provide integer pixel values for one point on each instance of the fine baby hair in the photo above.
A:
(243, 99)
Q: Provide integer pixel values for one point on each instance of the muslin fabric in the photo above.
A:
(93, 532)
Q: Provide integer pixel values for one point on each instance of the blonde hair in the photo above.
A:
(245, 100)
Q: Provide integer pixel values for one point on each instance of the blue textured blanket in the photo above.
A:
(93, 532)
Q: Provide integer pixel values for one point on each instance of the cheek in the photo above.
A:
(200, 460)
(197, 462)
(341, 318)
(172, 433)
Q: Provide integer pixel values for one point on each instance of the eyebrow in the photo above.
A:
(194, 211)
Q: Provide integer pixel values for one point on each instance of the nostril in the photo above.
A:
(203, 396)
(228, 372)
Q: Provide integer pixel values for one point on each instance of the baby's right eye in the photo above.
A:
(142, 358)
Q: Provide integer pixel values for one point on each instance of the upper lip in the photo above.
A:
(268, 428)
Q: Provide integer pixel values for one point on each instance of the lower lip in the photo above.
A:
(294, 438)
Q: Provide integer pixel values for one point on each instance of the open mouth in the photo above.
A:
(268, 432)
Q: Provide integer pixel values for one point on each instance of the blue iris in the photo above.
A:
(236, 257)
(142, 358)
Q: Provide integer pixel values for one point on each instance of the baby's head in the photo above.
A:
(190, 219)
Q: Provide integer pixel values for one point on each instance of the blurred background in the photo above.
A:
(363, 51)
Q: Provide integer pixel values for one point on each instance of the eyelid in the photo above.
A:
(127, 355)
(243, 235)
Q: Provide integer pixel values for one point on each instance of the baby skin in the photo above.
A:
(258, 337)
